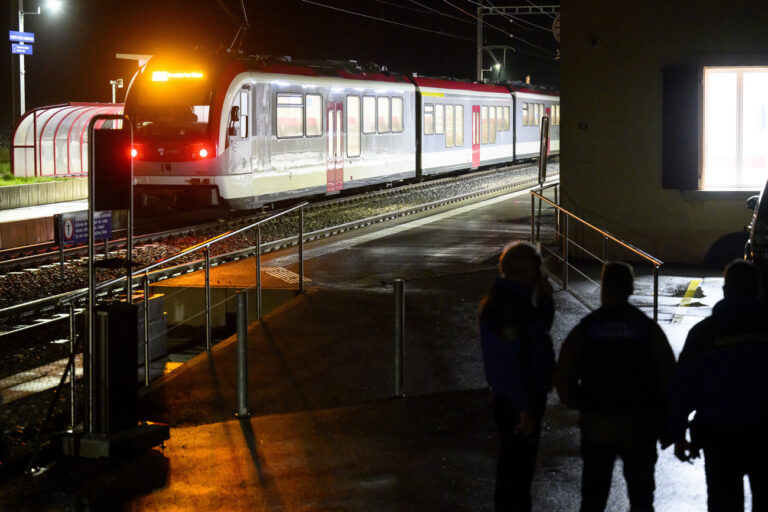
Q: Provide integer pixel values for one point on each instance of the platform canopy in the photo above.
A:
(53, 140)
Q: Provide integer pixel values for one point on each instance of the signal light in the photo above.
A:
(203, 153)
(199, 150)
(134, 153)
(137, 151)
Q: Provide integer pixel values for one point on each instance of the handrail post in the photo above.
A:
(538, 218)
(242, 354)
(399, 335)
(208, 298)
(605, 249)
(146, 329)
(301, 250)
(73, 375)
(533, 218)
(565, 253)
(655, 293)
(258, 272)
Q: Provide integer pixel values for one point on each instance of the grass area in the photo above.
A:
(7, 178)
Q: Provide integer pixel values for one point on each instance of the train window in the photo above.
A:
(506, 118)
(439, 119)
(449, 140)
(499, 119)
(244, 117)
(484, 123)
(525, 114)
(313, 115)
(383, 114)
(369, 114)
(353, 126)
(492, 125)
(459, 125)
(557, 115)
(290, 109)
(397, 115)
(429, 119)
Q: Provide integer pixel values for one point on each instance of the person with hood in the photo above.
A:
(515, 318)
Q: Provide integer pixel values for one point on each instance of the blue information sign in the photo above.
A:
(74, 226)
(21, 37)
(21, 49)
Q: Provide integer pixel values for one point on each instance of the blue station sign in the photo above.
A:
(74, 226)
(21, 37)
(21, 49)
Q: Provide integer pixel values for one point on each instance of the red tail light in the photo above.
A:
(137, 151)
(200, 151)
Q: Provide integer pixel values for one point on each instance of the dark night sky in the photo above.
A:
(75, 49)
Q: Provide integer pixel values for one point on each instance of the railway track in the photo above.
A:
(26, 318)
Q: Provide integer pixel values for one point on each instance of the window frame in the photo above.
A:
(391, 114)
(459, 120)
(387, 117)
(441, 126)
(322, 115)
(277, 111)
(375, 114)
(432, 114)
(452, 125)
(359, 125)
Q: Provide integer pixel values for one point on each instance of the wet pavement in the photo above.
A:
(325, 433)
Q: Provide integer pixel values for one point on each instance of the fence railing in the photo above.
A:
(564, 219)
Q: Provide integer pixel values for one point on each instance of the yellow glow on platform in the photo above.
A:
(164, 76)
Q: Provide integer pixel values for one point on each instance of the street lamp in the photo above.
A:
(496, 66)
(115, 84)
(53, 6)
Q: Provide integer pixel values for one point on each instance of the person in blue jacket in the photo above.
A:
(722, 375)
(515, 318)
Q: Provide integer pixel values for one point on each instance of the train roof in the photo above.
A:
(444, 83)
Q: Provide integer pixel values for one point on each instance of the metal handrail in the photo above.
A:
(657, 263)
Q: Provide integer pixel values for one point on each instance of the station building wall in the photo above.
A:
(614, 57)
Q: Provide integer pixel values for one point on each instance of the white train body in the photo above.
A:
(249, 133)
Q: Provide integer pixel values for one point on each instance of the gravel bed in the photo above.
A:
(24, 417)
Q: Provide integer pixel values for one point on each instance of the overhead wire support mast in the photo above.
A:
(509, 11)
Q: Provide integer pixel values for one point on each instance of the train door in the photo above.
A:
(549, 127)
(475, 136)
(239, 131)
(335, 140)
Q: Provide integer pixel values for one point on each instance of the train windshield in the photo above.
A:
(171, 108)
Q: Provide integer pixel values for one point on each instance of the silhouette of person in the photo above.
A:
(615, 367)
(515, 318)
(721, 376)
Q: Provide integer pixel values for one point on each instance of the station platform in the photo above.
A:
(325, 431)
(33, 224)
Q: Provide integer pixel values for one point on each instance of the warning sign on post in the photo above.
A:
(74, 227)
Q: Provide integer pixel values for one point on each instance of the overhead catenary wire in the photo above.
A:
(425, 9)
(514, 19)
(376, 18)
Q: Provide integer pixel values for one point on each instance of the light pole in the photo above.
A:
(53, 5)
(496, 66)
(115, 84)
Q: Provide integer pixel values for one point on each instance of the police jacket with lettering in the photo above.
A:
(517, 349)
(722, 373)
(615, 367)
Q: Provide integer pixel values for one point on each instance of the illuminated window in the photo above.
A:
(314, 115)
(383, 114)
(459, 125)
(439, 119)
(429, 119)
(244, 117)
(290, 111)
(500, 119)
(484, 121)
(506, 118)
(397, 114)
(449, 140)
(492, 125)
(353, 126)
(526, 120)
(369, 114)
(735, 132)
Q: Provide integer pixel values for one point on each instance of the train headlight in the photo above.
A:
(203, 153)
(199, 151)
(137, 151)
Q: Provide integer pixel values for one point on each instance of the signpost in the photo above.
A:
(73, 229)
(21, 49)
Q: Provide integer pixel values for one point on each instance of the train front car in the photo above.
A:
(178, 160)
(530, 106)
(463, 125)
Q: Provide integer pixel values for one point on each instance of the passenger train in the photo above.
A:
(248, 131)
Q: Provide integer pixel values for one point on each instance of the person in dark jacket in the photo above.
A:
(515, 318)
(722, 375)
(615, 367)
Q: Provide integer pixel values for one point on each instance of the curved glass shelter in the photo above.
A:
(53, 140)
